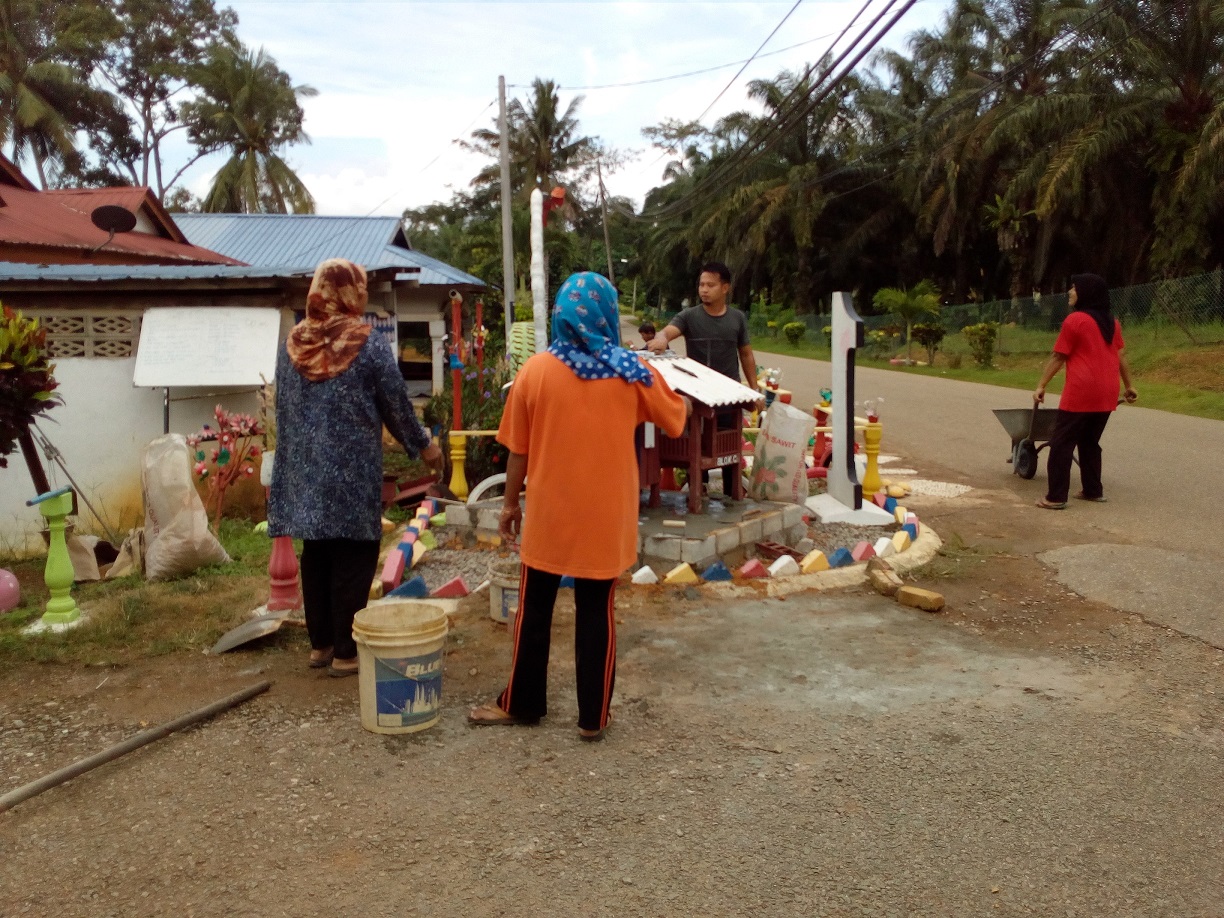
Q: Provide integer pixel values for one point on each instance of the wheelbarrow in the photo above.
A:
(1030, 430)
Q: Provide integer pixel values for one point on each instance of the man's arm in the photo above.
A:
(666, 334)
(510, 524)
(1056, 362)
(749, 365)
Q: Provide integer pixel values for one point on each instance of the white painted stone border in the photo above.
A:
(921, 551)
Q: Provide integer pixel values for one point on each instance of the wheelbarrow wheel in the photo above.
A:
(1025, 464)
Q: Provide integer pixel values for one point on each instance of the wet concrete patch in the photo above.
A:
(841, 655)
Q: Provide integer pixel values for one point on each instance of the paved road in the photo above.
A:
(1162, 471)
(1162, 476)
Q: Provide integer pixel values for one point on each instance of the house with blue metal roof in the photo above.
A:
(416, 297)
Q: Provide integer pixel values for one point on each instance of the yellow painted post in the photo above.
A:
(872, 433)
(458, 451)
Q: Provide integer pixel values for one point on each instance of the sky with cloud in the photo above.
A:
(399, 80)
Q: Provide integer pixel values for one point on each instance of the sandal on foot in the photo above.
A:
(320, 661)
(1096, 500)
(490, 715)
(340, 672)
(1050, 505)
(594, 736)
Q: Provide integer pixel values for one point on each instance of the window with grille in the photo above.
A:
(90, 334)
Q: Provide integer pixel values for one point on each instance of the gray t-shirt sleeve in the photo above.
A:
(743, 339)
(681, 322)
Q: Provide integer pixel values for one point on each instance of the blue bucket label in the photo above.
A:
(509, 604)
(407, 690)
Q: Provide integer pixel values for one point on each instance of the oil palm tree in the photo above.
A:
(248, 107)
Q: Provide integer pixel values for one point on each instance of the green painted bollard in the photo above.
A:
(61, 608)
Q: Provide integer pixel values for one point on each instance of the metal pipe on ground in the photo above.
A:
(56, 778)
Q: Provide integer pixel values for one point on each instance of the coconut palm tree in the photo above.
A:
(248, 107)
(43, 85)
(547, 147)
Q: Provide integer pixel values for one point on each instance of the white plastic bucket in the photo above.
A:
(504, 578)
(399, 650)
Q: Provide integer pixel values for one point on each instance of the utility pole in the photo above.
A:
(507, 224)
(603, 201)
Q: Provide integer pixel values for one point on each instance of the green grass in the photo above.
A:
(129, 618)
(1170, 372)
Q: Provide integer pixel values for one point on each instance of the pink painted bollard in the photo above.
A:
(284, 594)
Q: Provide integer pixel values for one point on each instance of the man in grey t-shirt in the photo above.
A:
(715, 335)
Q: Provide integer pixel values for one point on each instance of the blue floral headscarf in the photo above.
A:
(586, 331)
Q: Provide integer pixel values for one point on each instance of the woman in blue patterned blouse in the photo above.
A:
(336, 386)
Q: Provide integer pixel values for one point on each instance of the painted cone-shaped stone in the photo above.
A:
(880, 499)
(645, 575)
(716, 571)
(567, 582)
(411, 589)
(912, 529)
(681, 573)
(428, 539)
(438, 519)
(899, 514)
(393, 570)
(785, 566)
(884, 547)
(753, 569)
(418, 552)
(841, 558)
(891, 504)
(814, 562)
(862, 551)
(901, 541)
(408, 537)
(376, 589)
(452, 589)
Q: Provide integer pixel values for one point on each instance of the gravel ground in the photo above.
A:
(1029, 754)
(1024, 753)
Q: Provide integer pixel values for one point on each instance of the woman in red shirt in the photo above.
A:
(1090, 347)
(569, 424)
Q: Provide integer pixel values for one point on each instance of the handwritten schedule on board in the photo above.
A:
(205, 346)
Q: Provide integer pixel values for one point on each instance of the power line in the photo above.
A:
(792, 95)
(759, 49)
(1077, 31)
(680, 76)
(777, 129)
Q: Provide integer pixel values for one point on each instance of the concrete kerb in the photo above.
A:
(922, 551)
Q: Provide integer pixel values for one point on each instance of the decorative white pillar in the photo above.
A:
(539, 281)
(437, 352)
(847, 337)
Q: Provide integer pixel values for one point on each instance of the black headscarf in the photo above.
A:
(1092, 297)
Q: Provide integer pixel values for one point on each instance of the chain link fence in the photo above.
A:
(1185, 309)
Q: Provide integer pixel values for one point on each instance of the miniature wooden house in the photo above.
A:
(702, 447)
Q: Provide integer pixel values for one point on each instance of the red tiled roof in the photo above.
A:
(54, 226)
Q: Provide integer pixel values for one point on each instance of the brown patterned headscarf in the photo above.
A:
(327, 341)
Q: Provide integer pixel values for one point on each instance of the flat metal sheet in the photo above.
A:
(699, 382)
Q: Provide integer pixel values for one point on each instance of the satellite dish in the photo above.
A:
(113, 219)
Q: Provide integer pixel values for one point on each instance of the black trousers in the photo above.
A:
(1076, 431)
(526, 695)
(336, 579)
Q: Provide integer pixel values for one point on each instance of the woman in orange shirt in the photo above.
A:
(569, 424)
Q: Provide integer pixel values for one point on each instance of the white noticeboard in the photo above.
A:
(206, 346)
